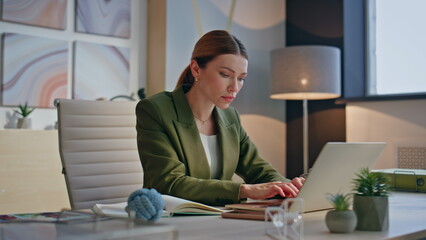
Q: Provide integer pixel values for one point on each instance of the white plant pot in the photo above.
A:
(341, 221)
(24, 123)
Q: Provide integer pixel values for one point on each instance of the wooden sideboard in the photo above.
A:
(30, 172)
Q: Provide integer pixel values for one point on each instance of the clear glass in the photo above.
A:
(286, 221)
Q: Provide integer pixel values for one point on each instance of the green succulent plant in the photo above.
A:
(24, 110)
(340, 201)
(370, 183)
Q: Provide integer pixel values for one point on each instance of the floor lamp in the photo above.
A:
(305, 73)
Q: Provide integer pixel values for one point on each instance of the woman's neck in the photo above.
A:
(201, 107)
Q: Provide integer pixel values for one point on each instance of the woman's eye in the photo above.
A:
(241, 79)
(224, 74)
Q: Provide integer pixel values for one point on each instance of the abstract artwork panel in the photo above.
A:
(44, 13)
(103, 17)
(35, 70)
(100, 71)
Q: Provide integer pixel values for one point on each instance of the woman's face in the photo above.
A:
(222, 79)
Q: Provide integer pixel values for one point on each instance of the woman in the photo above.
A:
(191, 141)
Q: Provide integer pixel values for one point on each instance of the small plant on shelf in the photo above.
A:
(24, 110)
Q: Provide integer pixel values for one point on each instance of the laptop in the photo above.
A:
(334, 171)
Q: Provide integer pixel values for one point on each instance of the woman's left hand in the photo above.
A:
(268, 190)
(298, 182)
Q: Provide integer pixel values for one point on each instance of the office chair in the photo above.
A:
(98, 149)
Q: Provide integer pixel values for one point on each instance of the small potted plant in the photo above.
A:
(371, 203)
(341, 219)
(24, 111)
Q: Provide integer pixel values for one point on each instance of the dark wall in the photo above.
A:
(313, 22)
(354, 49)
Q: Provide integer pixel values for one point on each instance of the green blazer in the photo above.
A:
(173, 157)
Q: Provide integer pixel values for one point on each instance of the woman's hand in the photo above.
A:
(298, 182)
(268, 190)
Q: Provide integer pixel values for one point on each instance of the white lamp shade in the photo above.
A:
(305, 72)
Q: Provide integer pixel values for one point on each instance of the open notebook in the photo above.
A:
(172, 206)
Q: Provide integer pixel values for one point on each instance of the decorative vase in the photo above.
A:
(24, 123)
(341, 221)
(372, 212)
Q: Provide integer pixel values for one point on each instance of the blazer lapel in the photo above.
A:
(229, 143)
(189, 137)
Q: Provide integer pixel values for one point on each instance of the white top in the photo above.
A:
(211, 148)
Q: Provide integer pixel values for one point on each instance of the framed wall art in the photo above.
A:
(100, 71)
(42, 13)
(35, 70)
(103, 17)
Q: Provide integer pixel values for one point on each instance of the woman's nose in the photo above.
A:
(234, 86)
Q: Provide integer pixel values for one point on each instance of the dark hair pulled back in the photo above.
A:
(209, 46)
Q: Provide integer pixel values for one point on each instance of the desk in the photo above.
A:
(114, 229)
(407, 220)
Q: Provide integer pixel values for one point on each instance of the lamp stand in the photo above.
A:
(305, 136)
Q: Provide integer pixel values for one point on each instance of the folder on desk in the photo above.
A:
(402, 179)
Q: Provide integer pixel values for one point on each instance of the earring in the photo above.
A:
(196, 79)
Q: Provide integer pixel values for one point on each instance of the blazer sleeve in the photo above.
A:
(252, 168)
(164, 166)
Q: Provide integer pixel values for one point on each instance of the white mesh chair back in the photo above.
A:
(98, 148)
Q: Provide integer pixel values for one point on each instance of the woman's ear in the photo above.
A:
(195, 69)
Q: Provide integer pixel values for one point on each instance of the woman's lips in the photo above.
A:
(228, 98)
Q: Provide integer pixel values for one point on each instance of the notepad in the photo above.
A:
(256, 205)
(252, 210)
